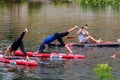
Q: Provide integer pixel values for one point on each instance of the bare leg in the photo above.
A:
(70, 51)
(113, 56)
(70, 30)
(80, 41)
(93, 40)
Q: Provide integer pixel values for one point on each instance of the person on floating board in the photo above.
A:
(16, 44)
(59, 37)
(84, 37)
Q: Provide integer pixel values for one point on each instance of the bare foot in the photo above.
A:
(113, 56)
(26, 30)
(71, 52)
(118, 39)
(40, 52)
(27, 58)
(100, 41)
(37, 51)
(2, 56)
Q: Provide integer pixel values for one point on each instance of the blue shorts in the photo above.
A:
(84, 40)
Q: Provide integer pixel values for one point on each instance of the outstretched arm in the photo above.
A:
(79, 31)
(8, 50)
(70, 30)
(23, 33)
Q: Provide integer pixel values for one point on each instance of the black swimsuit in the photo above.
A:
(18, 43)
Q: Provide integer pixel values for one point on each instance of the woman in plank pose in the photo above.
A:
(59, 37)
(84, 37)
(16, 44)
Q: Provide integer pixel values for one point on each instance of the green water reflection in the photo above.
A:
(41, 18)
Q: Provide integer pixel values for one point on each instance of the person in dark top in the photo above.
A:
(16, 44)
(59, 37)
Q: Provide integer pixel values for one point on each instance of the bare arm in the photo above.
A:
(79, 31)
(88, 33)
(70, 30)
(8, 50)
(68, 48)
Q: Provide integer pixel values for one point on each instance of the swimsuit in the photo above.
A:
(18, 43)
(83, 36)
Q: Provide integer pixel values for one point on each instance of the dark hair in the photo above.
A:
(86, 25)
(82, 27)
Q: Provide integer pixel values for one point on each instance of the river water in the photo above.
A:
(44, 18)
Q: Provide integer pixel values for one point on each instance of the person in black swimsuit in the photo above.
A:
(16, 44)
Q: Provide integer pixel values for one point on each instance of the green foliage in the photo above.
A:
(94, 2)
(103, 72)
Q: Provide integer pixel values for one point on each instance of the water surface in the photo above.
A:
(45, 18)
